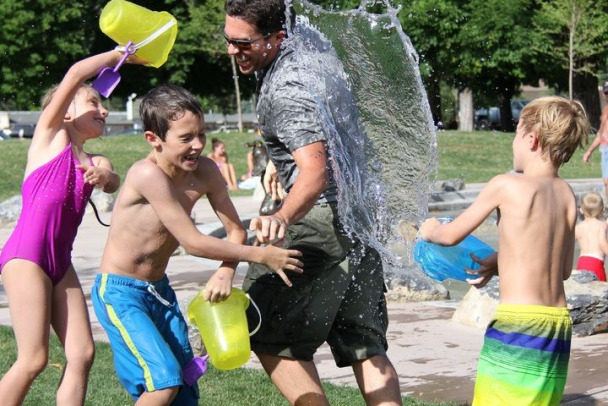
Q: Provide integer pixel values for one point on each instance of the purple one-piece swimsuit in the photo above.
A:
(54, 201)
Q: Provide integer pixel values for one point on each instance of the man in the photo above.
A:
(340, 296)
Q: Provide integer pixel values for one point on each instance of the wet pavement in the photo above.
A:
(434, 357)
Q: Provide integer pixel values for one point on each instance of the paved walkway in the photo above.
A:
(435, 358)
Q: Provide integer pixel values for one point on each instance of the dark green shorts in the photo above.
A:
(339, 298)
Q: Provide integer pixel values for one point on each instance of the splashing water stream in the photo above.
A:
(367, 85)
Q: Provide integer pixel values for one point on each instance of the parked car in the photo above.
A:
(489, 119)
(20, 130)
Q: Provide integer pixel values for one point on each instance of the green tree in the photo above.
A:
(433, 28)
(572, 37)
(39, 39)
(574, 34)
(496, 54)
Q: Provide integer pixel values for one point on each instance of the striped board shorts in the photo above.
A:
(524, 359)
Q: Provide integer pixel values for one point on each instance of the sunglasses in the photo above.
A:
(244, 44)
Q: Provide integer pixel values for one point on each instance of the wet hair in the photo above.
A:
(592, 205)
(561, 125)
(48, 96)
(166, 103)
(268, 16)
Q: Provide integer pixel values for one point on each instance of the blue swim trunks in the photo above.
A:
(147, 332)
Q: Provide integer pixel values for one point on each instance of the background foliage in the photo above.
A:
(489, 46)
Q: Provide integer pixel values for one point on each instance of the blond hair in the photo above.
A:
(561, 125)
(592, 205)
(48, 96)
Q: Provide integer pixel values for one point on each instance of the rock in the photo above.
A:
(10, 210)
(478, 306)
(413, 287)
(452, 185)
(587, 301)
(103, 201)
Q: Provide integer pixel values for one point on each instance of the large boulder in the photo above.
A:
(586, 297)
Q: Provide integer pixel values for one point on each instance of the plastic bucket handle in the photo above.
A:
(255, 330)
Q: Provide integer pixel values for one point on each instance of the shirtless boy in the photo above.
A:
(524, 359)
(131, 296)
(591, 236)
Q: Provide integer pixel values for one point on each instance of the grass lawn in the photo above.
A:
(240, 387)
(121, 150)
(471, 156)
(478, 156)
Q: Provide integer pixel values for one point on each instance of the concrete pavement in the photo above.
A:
(435, 358)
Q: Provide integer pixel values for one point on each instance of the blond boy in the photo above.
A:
(524, 360)
(591, 236)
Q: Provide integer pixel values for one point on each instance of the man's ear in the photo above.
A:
(280, 37)
(152, 139)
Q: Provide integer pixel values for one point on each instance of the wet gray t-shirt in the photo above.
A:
(289, 118)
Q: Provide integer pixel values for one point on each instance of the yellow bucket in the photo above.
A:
(223, 327)
(152, 32)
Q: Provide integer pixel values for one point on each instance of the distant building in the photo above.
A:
(118, 122)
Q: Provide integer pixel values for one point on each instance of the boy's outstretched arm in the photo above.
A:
(219, 286)
(453, 232)
(152, 184)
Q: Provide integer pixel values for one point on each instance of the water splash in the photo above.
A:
(368, 86)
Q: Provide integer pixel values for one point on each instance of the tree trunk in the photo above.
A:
(465, 110)
(586, 91)
(238, 93)
(433, 92)
(506, 114)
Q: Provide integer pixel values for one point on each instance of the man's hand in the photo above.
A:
(271, 183)
(269, 229)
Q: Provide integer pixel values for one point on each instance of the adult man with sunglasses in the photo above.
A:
(338, 300)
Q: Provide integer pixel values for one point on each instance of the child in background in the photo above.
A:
(591, 236)
(37, 273)
(219, 155)
(131, 296)
(524, 359)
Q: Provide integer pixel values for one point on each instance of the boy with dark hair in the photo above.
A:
(131, 296)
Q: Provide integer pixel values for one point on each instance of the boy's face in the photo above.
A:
(184, 142)
(87, 112)
(252, 50)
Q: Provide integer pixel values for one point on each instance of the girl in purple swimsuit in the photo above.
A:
(37, 273)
